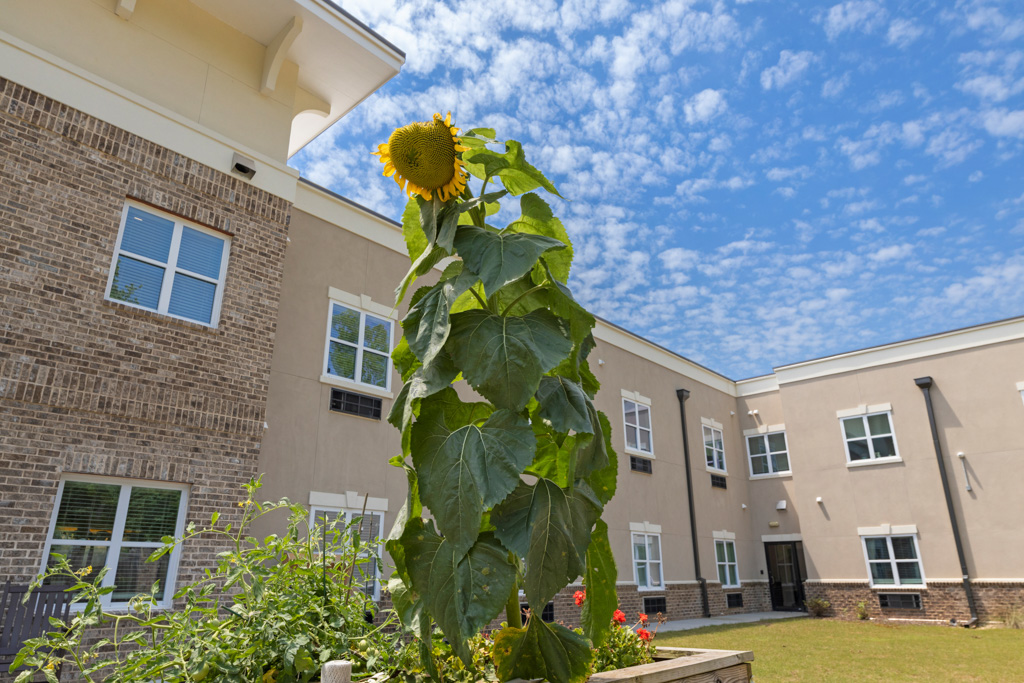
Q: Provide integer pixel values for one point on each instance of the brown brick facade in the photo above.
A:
(940, 600)
(91, 386)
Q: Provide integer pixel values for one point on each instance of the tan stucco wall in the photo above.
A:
(173, 54)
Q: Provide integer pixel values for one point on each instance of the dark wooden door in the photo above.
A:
(786, 575)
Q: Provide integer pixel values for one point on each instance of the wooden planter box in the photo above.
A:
(685, 665)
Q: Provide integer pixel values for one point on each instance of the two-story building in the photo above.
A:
(181, 311)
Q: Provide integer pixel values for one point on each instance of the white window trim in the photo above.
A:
(711, 424)
(892, 561)
(771, 474)
(661, 563)
(646, 403)
(169, 269)
(726, 564)
(116, 538)
(1020, 388)
(355, 512)
(867, 430)
(344, 299)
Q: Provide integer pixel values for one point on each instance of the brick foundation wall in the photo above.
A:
(92, 386)
(940, 601)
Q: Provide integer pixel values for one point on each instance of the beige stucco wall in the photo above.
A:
(307, 447)
(173, 54)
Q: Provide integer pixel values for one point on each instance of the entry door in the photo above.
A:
(786, 575)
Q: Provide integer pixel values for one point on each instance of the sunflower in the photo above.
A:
(423, 157)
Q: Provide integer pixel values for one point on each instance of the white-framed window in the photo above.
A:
(636, 417)
(725, 558)
(369, 526)
(768, 454)
(169, 266)
(893, 560)
(358, 346)
(714, 448)
(117, 523)
(647, 561)
(869, 437)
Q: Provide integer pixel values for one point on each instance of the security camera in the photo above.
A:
(243, 166)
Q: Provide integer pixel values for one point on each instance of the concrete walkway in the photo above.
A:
(729, 619)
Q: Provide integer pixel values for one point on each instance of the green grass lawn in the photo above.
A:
(825, 650)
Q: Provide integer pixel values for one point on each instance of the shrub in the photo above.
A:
(1012, 617)
(272, 610)
(817, 607)
(862, 611)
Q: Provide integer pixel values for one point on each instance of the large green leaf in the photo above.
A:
(548, 651)
(516, 174)
(538, 219)
(465, 468)
(500, 258)
(422, 382)
(602, 600)
(504, 357)
(563, 403)
(603, 481)
(415, 240)
(535, 522)
(552, 459)
(426, 325)
(421, 266)
(592, 449)
(462, 591)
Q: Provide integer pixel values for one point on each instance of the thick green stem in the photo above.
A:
(521, 297)
(513, 615)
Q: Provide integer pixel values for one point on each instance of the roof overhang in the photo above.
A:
(341, 61)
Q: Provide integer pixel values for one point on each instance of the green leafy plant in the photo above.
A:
(817, 607)
(515, 483)
(273, 610)
(626, 646)
(1012, 617)
(862, 611)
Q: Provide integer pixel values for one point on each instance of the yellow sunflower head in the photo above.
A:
(423, 158)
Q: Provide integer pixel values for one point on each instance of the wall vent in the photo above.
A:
(718, 481)
(355, 404)
(644, 465)
(900, 600)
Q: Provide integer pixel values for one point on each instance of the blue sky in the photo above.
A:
(752, 183)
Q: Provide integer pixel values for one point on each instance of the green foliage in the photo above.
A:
(624, 648)
(862, 611)
(273, 610)
(817, 607)
(501, 317)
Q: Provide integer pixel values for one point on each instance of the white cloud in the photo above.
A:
(892, 253)
(791, 66)
(976, 177)
(903, 32)
(854, 15)
(1004, 123)
(704, 106)
(914, 179)
(834, 87)
(781, 174)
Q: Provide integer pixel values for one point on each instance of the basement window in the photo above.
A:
(733, 600)
(355, 404)
(900, 600)
(655, 605)
(643, 465)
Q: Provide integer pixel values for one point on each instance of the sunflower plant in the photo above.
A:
(515, 483)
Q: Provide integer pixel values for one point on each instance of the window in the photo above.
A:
(725, 557)
(899, 600)
(164, 265)
(733, 600)
(369, 530)
(637, 417)
(869, 437)
(655, 605)
(647, 560)
(638, 464)
(355, 404)
(116, 523)
(358, 346)
(718, 482)
(768, 454)
(714, 448)
(893, 560)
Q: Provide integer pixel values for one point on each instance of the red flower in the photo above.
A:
(644, 634)
(619, 617)
(643, 618)
(579, 597)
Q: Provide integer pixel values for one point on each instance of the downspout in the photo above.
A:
(682, 395)
(925, 384)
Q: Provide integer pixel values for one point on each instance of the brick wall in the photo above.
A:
(940, 601)
(92, 386)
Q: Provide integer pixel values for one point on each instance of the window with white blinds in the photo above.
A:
(117, 523)
(164, 265)
(368, 527)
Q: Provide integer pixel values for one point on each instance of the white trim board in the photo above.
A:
(863, 409)
(644, 527)
(712, 423)
(780, 538)
(764, 429)
(887, 530)
(636, 397)
(362, 301)
(724, 535)
(69, 84)
(350, 500)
